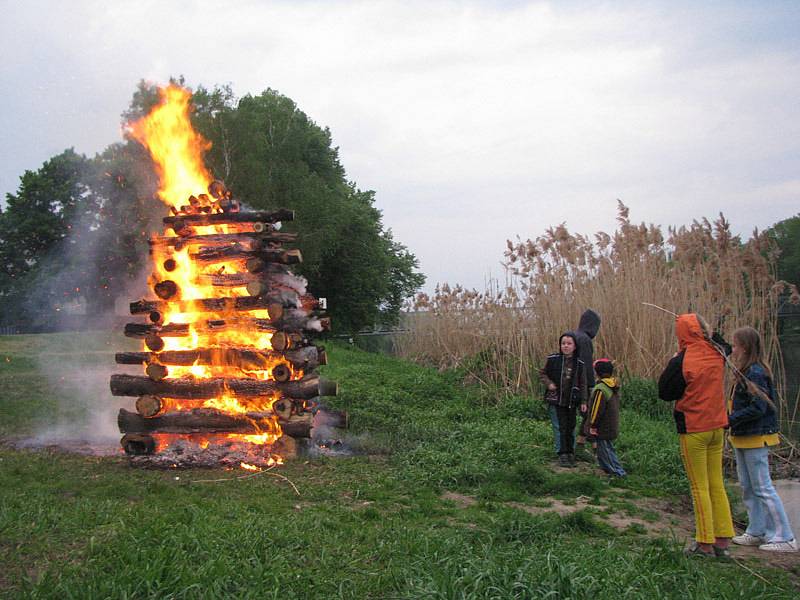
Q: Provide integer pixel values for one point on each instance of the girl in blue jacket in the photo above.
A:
(753, 429)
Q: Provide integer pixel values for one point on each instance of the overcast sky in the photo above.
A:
(473, 121)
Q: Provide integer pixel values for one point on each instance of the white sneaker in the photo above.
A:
(780, 546)
(748, 540)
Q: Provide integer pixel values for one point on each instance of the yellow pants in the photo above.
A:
(702, 459)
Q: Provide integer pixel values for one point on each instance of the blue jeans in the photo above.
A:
(607, 458)
(765, 512)
(554, 422)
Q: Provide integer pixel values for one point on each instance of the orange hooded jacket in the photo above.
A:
(702, 405)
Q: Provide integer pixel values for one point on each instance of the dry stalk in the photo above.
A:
(501, 336)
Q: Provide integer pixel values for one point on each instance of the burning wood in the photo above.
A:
(303, 359)
(214, 387)
(212, 254)
(182, 221)
(226, 360)
(253, 240)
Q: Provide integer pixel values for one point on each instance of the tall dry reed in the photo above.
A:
(501, 336)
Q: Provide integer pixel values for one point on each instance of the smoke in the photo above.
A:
(74, 365)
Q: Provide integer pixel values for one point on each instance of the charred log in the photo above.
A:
(136, 444)
(190, 388)
(254, 240)
(274, 303)
(307, 359)
(294, 321)
(221, 218)
(239, 252)
(209, 420)
(166, 289)
(154, 342)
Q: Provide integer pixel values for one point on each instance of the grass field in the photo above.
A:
(448, 497)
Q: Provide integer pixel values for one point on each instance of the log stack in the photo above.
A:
(227, 334)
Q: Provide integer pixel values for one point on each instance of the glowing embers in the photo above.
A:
(170, 450)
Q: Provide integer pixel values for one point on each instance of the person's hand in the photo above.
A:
(551, 387)
(583, 408)
(593, 430)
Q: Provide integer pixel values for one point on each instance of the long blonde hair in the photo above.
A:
(751, 353)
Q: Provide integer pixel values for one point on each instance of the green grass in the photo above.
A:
(373, 525)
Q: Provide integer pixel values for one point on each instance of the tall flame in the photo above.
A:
(175, 146)
(177, 150)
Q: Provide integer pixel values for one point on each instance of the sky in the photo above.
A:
(474, 122)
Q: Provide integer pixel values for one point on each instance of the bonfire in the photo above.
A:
(229, 367)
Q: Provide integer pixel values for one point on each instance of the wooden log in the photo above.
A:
(181, 221)
(199, 389)
(148, 406)
(138, 444)
(210, 255)
(307, 358)
(295, 321)
(283, 408)
(156, 371)
(298, 426)
(154, 342)
(258, 262)
(224, 279)
(197, 420)
(209, 420)
(274, 303)
(283, 279)
(252, 239)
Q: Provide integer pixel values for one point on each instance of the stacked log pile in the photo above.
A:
(227, 346)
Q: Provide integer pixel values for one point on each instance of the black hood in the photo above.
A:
(590, 323)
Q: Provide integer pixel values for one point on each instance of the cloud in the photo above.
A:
(473, 123)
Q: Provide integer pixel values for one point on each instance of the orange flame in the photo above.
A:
(175, 146)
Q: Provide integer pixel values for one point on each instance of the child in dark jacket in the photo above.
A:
(602, 420)
(564, 377)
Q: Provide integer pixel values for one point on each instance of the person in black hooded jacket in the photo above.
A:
(587, 330)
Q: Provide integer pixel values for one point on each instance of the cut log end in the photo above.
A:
(154, 343)
(166, 289)
(156, 371)
(148, 406)
(137, 444)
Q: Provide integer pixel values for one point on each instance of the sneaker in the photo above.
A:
(790, 546)
(696, 550)
(748, 540)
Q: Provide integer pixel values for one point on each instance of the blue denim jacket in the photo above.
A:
(751, 415)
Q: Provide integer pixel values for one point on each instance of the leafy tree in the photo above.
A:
(53, 211)
(786, 234)
(272, 155)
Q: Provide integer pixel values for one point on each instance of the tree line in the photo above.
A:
(76, 228)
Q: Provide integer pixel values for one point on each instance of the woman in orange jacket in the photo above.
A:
(694, 379)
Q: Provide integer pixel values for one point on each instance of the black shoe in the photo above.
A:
(563, 460)
(695, 550)
(571, 460)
